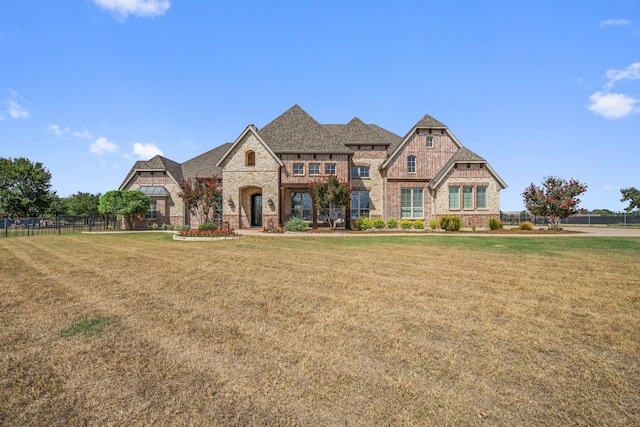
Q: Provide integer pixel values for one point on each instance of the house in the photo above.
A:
(265, 172)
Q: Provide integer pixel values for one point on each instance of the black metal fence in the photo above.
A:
(618, 219)
(15, 227)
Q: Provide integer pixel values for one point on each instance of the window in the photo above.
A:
(467, 197)
(411, 164)
(301, 205)
(411, 203)
(329, 168)
(359, 172)
(250, 158)
(218, 208)
(314, 169)
(359, 204)
(298, 168)
(152, 213)
(481, 198)
(454, 198)
(429, 142)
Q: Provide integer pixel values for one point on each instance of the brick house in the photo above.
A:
(265, 172)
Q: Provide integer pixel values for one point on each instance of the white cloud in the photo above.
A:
(57, 130)
(614, 23)
(612, 105)
(140, 8)
(85, 134)
(16, 111)
(103, 146)
(146, 151)
(632, 72)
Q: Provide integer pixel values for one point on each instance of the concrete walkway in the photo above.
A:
(576, 231)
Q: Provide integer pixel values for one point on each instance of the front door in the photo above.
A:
(256, 210)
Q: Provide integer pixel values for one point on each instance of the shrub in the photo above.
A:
(378, 223)
(433, 224)
(365, 223)
(405, 224)
(450, 223)
(418, 224)
(167, 227)
(392, 223)
(526, 225)
(184, 227)
(495, 223)
(154, 226)
(296, 224)
(355, 224)
(207, 226)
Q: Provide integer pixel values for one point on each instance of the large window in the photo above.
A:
(481, 198)
(329, 168)
(467, 197)
(218, 208)
(411, 203)
(314, 168)
(301, 206)
(454, 198)
(359, 204)
(152, 213)
(411, 164)
(359, 172)
(298, 168)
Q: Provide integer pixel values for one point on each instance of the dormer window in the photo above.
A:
(250, 158)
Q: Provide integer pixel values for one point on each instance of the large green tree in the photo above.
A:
(128, 203)
(631, 195)
(331, 194)
(556, 199)
(25, 188)
(83, 204)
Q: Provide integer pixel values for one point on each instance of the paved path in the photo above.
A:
(578, 231)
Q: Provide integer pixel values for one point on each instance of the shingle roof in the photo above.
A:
(204, 165)
(358, 132)
(295, 131)
(429, 122)
(156, 163)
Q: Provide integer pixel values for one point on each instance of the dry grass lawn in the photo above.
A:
(428, 330)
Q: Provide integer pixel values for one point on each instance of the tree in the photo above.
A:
(555, 200)
(24, 188)
(330, 194)
(631, 195)
(83, 204)
(128, 203)
(199, 195)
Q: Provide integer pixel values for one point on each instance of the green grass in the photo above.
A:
(93, 326)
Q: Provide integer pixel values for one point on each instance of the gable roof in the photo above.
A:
(295, 131)
(249, 129)
(463, 155)
(356, 132)
(156, 163)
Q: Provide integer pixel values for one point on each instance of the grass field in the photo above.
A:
(137, 329)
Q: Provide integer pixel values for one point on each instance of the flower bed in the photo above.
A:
(219, 233)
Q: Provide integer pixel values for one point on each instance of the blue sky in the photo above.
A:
(538, 88)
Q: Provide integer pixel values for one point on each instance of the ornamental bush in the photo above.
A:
(365, 223)
(208, 226)
(418, 224)
(296, 224)
(433, 224)
(405, 224)
(450, 223)
(495, 223)
(392, 223)
(526, 225)
(378, 223)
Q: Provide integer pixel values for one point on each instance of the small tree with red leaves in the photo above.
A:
(555, 200)
(330, 194)
(199, 195)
